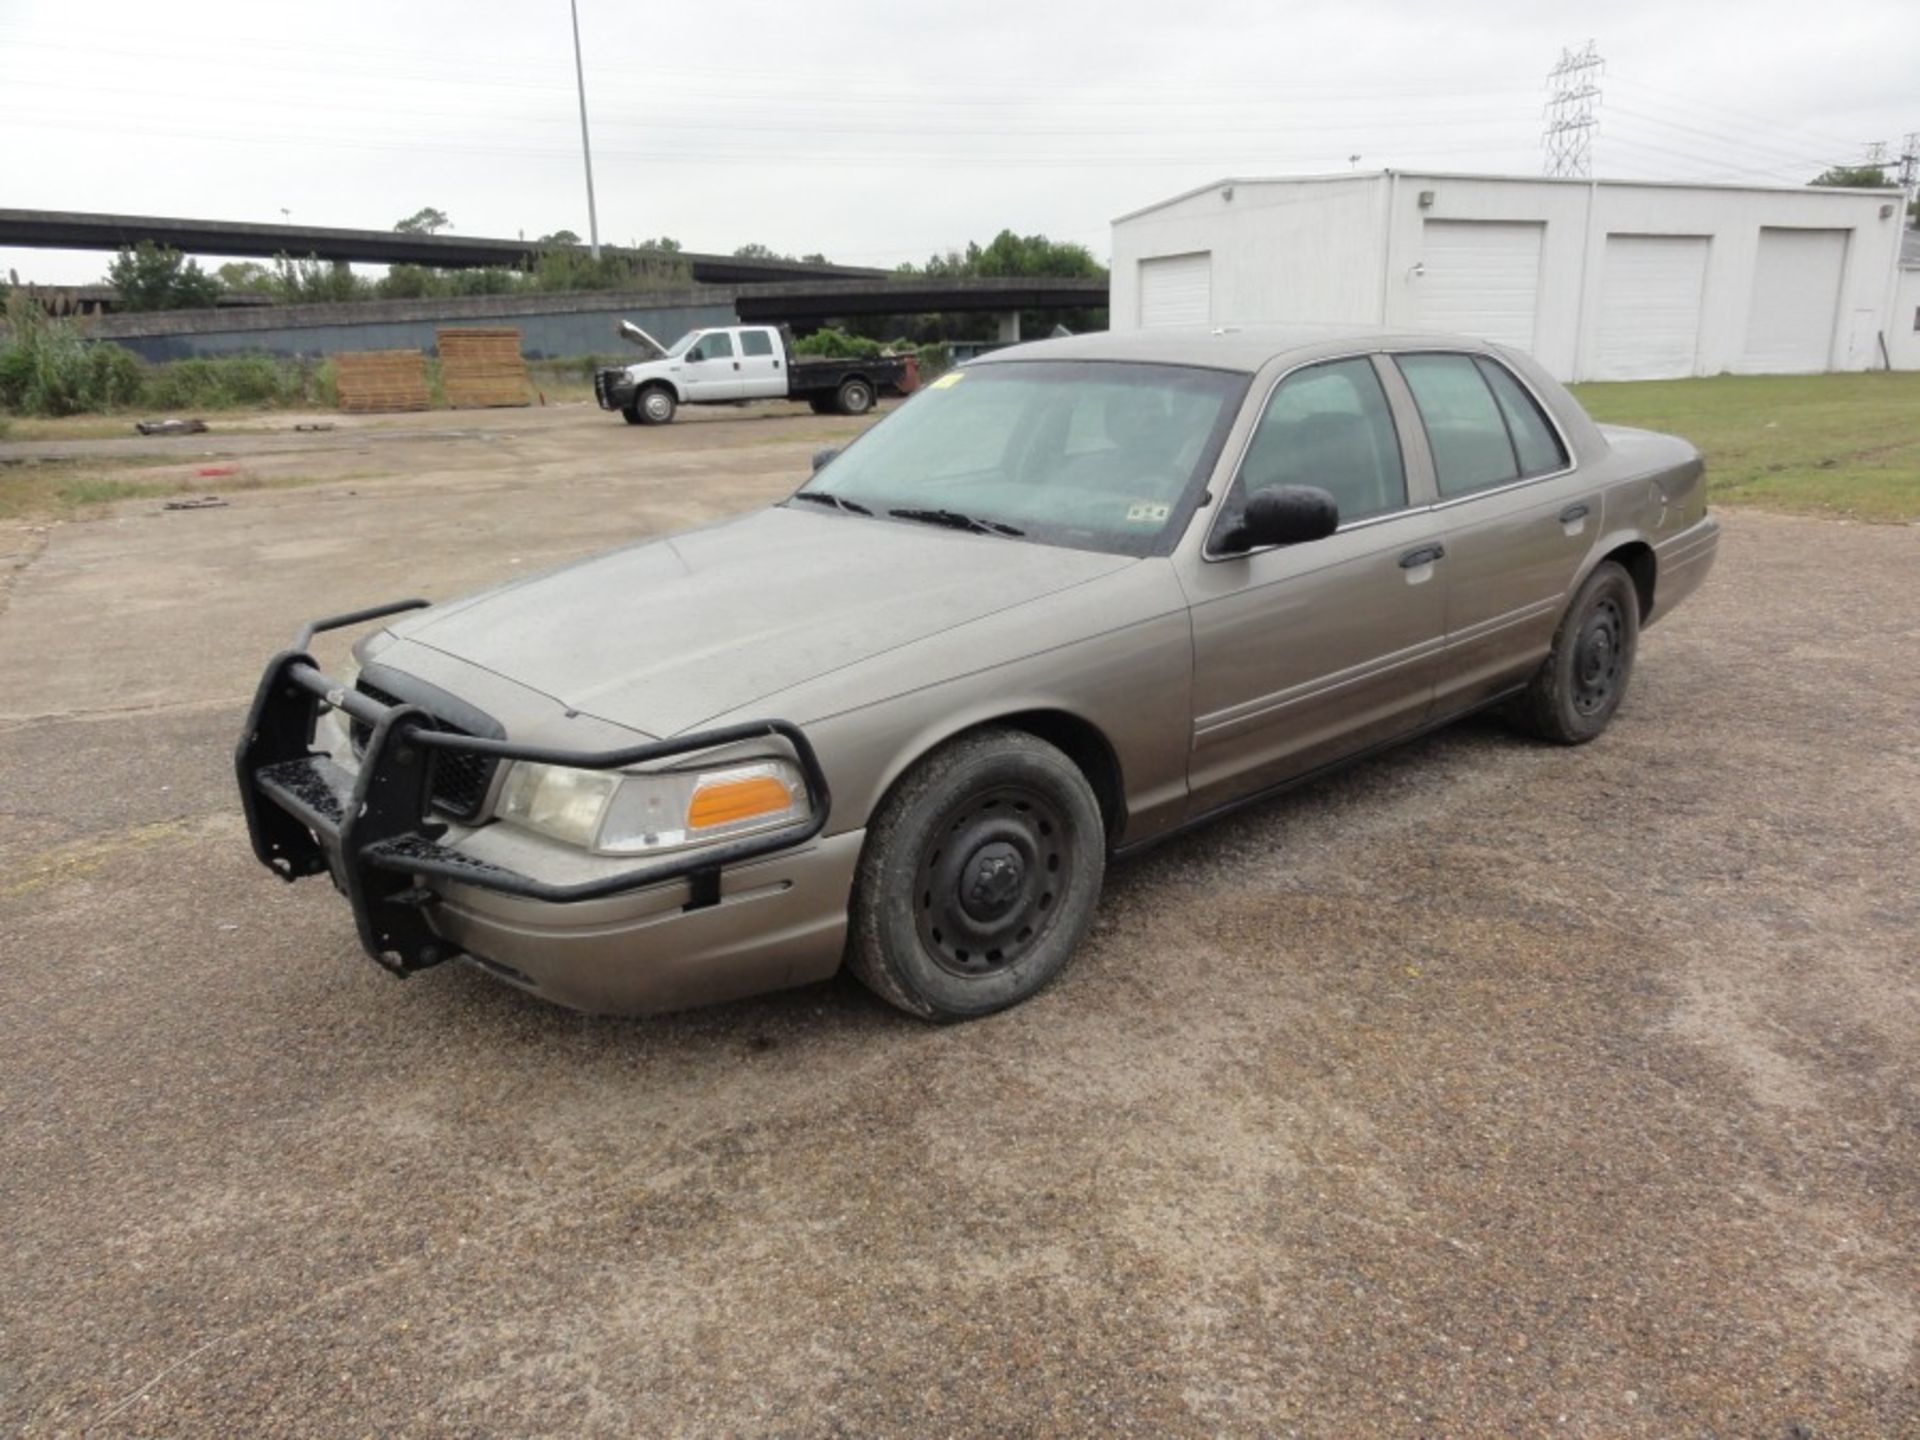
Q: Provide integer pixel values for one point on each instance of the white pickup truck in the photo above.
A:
(733, 364)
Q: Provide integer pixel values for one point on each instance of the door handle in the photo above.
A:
(1577, 511)
(736, 364)
(1425, 555)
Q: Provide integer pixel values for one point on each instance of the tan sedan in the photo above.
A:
(1067, 601)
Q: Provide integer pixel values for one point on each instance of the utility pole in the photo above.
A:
(586, 145)
(1568, 137)
(1910, 170)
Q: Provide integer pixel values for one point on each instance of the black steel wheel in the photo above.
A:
(855, 398)
(979, 877)
(991, 880)
(1580, 685)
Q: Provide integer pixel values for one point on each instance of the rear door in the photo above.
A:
(763, 371)
(1307, 653)
(1519, 519)
(711, 369)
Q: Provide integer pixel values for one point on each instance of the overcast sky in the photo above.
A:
(878, 132)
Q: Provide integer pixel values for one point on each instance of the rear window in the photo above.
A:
(1465, 431)
(1534, 442)
(755, 342)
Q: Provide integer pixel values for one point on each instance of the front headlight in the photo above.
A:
(615, 814)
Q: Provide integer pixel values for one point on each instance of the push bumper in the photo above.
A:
(417, 902)
(613, 389)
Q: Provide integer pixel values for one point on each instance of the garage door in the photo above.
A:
(1650, 294)
(1481, 277)
(1177, 289)
(1796, 301)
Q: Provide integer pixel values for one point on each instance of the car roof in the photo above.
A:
(1227, 347)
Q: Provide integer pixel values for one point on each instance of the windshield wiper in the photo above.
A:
(954, 520)
(823, 497)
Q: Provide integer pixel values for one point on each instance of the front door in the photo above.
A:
(711, 370)
(1307, 653)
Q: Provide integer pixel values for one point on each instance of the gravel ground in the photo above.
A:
(1487, 1089)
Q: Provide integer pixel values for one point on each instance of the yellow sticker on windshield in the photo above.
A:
(948, 380)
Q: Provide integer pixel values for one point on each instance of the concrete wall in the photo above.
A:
(1348, 249)
(1903, 331)
(551, 326)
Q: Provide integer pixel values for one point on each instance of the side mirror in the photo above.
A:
(695, 355)
(1283, 515)
(821, 458)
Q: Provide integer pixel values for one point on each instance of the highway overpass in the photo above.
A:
(73, 230)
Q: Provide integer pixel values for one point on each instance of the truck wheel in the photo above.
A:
(855, 397)
(656, 405)
(631, 414)
(1581, 683)
(821, 405)
(979, 877)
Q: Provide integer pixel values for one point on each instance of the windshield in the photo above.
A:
(1089, 454)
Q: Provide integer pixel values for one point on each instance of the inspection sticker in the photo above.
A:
(1147, 513)
(948, 380)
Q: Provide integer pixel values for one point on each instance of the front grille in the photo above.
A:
(460, 780)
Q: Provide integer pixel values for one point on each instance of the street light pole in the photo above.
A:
(586, 146)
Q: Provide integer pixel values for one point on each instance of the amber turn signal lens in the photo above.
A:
(729, 801)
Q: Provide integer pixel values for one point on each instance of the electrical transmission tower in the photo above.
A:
(1568, 138)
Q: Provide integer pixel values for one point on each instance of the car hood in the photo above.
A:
(663, 635)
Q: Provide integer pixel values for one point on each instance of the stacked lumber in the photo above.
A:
(375, 380)
(481, 368)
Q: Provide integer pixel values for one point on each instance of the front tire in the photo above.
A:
(1580, 685)
(631, 413)
(979, 878)
(656, 405)
(855, 398)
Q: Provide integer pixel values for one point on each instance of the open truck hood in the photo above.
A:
(664, 635)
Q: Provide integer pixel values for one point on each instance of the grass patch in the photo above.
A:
(1846, 445)
(71, 491)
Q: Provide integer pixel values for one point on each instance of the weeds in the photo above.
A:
(47, 368)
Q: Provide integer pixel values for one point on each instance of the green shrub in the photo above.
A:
(46, 368)
(837, 345)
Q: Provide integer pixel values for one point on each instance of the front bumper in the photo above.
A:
(417, 902)
(613, 389)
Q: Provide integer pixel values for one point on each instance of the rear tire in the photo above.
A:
(821, 404)
(855, 398)
(979, 878)
(1581, 683)
(656, 405)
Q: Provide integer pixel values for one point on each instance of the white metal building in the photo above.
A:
(1598, 279)
(1903, 333)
